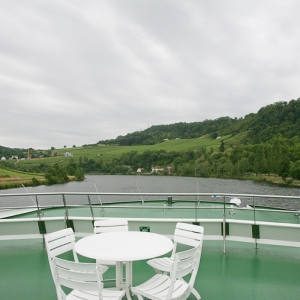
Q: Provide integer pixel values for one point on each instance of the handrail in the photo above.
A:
(222, 196)
(228, 211)
(226, 195)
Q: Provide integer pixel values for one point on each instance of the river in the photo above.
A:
(168, 184)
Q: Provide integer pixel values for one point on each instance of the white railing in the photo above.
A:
(35, 214)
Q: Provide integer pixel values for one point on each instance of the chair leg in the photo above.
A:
(196, 294)
(140, 297)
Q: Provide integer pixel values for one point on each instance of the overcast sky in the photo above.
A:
(74, 72)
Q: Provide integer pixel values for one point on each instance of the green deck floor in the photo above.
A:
(242, 273)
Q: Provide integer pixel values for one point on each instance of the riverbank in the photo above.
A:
(16, 182)
(273, 179)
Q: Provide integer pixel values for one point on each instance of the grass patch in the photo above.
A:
(108, 152)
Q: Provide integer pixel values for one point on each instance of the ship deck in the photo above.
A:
(269, 272)
(254, 265)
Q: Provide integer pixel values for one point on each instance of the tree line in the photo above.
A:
(279, 156)
(278, 118)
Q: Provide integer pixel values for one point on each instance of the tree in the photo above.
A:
(295, 172)
(35, 181)
(203, 169)
(284, 167)
(214, 135)
(222, 146)
(243, 166)
(79, 174)
(56, 174)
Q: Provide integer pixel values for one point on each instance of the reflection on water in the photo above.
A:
(155, 184)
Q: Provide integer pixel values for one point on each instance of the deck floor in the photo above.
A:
(270, 272)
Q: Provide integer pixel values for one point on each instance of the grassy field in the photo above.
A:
(16, 178)
(107, 152)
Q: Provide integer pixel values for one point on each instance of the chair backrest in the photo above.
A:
(185, 263)
(187, 234)
(77, 276)
(60, 242)
(110, 225)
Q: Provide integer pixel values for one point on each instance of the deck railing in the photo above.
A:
(224, 219)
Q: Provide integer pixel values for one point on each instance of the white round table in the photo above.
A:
(124, 246)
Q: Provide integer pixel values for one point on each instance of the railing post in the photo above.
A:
(224, 226)
(254, 216)
(92, 212)
(42, 226)
(66, 211)
(196, 216)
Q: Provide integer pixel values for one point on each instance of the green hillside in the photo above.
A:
(279, 118)
(109, 152)
(258, 146)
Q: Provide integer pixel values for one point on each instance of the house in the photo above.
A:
(3, 158)
(156, 169)
(14, 157)
(139, 170)
(68, 154)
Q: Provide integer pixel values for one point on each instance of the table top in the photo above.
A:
(124, 245)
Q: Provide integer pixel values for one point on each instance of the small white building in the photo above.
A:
(68, 154)
(3, 158)
(14, 157)
(156, 169)
(140, 170)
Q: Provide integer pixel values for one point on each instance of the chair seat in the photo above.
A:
(163, 264)
(106, 294)
(158, 286)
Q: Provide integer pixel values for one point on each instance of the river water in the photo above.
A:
(161, 184)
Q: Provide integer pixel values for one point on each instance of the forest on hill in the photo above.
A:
(279, 118)
(265, 144)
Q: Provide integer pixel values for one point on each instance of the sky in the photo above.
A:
(74, 72)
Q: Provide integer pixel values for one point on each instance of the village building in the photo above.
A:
(68, 154)
(156, 169)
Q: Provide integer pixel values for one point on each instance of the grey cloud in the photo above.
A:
(76, 72)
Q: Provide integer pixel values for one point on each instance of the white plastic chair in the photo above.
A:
(109, 225)
(186, 234)
(85, 280)
(60, 242)
(172, 286)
